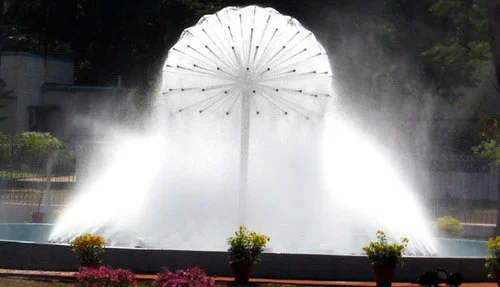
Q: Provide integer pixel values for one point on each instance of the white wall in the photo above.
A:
(25, 73)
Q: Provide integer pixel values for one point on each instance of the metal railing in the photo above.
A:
(33, 177)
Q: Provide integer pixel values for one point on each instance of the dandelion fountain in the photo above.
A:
(246, 129)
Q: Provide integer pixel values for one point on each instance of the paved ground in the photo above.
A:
(70, 275)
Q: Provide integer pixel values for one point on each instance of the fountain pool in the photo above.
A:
(246, 130)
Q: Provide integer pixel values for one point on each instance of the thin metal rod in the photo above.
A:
(244, 150)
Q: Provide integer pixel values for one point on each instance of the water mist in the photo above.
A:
(246, 133)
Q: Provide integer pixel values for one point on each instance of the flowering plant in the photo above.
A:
(89, 249)
(489, 134)
(246, 246)
(384, 254)
(181, 278)
(493, 259)
(449, 225)
(105, 276)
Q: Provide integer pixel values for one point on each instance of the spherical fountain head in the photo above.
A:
(248, 52)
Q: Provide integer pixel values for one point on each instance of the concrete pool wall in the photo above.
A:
(37, 256)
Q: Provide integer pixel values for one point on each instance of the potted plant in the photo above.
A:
(89, 249)
(493, 259)
(448, 226)
(385, 257)
(245, 249)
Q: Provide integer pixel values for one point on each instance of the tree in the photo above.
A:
(493, 8)
(471, 43)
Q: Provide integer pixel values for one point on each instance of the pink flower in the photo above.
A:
(184, 278)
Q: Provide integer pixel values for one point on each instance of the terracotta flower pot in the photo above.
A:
(241, 272)
(384, 276)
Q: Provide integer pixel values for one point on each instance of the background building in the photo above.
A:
(44, 99)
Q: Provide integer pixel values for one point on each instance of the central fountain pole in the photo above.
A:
(244, 147)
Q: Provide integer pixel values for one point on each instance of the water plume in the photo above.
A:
(244, 134)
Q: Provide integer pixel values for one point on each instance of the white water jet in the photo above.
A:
(366, 187)
(240, 137)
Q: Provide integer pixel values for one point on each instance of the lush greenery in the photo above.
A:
(37, 149)
(180, 278)
(449, 225)
(127, 38)
(384, 254)
(246, 246)
(89, 249)
(35, 153)
(493, 259)
(418, 50)
(461, 54)
(105, 276)
(39, 142)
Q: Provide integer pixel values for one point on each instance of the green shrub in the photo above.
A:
(449, 225)
(493, 259)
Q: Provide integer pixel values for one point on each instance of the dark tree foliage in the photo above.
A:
(461, 54)
(376, 45)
